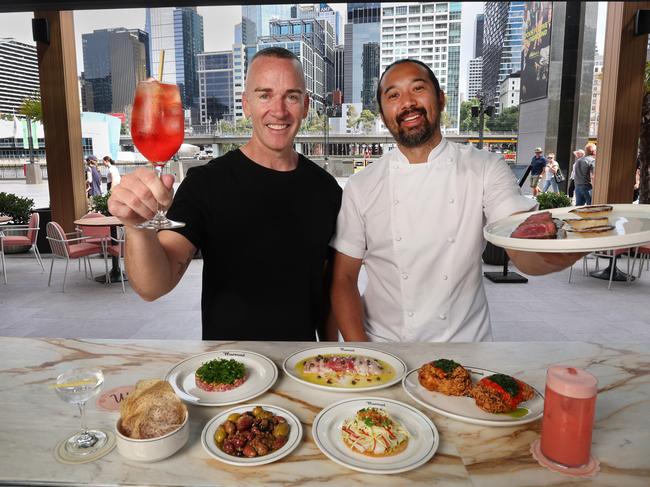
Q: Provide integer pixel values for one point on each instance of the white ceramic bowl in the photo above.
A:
(152, 449)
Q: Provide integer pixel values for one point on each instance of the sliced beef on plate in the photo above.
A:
(540, 225)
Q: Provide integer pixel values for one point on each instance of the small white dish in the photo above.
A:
(152, 449)
(261, 374)
(423, 441)
(207, 437)
(463, 408)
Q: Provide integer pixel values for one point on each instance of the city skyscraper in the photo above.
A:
(215, 73)
(478, 35)
(339, 69)
(429, 32)
(370, 67)
(18, 74)
(179, 32)
(363, 27)
(502, 45)
(320, 11)
(475, 78)
(115, 61)
(261, 15)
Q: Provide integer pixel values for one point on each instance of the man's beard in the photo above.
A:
(416, 136)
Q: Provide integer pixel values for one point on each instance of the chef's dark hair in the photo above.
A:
(432, 77)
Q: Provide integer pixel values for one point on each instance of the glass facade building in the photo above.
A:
(215, 74)
(370, 67)
(262, 15)
(363, 27)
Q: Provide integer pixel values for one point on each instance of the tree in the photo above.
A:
(445, 120)
(352, 117)
(467, 122)
(506, 121)
(367, 121)
(644, 142)
(315, 122)
(31, 107)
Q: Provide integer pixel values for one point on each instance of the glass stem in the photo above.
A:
(161, 213)
(82, 414)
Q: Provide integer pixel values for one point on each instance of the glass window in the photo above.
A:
(414, 9)
(428, 8)
(388, 11)
(401, 10)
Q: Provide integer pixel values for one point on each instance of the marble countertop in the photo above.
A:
(34, 420)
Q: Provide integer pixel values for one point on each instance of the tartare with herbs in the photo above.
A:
(220, 375)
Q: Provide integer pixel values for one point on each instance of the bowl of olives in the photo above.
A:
(252, 434)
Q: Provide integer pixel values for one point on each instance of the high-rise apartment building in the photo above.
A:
(502, 45)
(429, 32)
(363, 27)
(509, 91)
(215, 73)
(18, 74)
(115, 61)
(475, 78)
(339, 69)
(245, 32)
(179, 32)
(370, 67)
(262, 15)
(478, 35)
(595, 95)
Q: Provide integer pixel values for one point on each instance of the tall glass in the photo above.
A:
(157, 130)
(77, 387)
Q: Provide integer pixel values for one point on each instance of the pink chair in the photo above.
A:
(7, 240)
(69, 248)
(96, 235)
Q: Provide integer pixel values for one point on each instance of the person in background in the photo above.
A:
(549, 173)
(578, 153)
(113, 177)
(637, 180)
(537, 166)
(584, 175)
(94, 177)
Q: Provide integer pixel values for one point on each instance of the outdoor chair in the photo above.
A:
(96, 235)
(8, 240)
(611, 255)
(67, 248)
(116, 249)
(643, 256)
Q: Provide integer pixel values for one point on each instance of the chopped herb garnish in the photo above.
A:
(446, 365)
(508, 384)
(221, 371)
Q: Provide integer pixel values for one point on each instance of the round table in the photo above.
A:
(106, 221)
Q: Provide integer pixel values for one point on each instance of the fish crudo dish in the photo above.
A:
(373, 432)
(345, 370)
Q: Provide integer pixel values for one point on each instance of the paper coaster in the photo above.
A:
(112, 399)
(589, 470)
(63, 456)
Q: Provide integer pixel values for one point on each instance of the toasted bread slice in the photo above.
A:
(592, 211)
(582, 223)
(593, 231)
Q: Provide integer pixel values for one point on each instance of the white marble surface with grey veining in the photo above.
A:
(34, 420)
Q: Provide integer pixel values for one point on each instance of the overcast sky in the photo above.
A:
(219, 22)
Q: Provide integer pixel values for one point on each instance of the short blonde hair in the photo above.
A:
(590, 148)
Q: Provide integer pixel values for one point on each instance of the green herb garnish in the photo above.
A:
(221, 371)
(446, 365)
(508, 384)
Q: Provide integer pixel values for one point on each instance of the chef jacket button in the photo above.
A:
(451, 240)
(405, 275)
(442, 316)
(396, 202)
(451, 200)
(399, 239)
(445, 277)
(411, 313)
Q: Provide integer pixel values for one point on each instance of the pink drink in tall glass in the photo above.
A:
(569, 408)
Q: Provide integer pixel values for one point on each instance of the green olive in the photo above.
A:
(266, 415)
(281, 430)
(219, 435)
(233, 417)
(258, 411)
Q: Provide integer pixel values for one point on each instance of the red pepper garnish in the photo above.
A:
(512, 402)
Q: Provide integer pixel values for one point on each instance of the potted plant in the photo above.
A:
(100, 204)
(19, 209)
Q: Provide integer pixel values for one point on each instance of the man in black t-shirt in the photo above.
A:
(262, 217)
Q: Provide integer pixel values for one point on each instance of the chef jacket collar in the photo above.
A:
(435, 153)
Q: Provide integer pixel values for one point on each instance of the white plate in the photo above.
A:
(464, 408)
(631, 222)
(422, 445)
(261, 374)
(295, 435)
(397, 363)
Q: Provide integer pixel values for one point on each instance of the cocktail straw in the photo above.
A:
(162, 64)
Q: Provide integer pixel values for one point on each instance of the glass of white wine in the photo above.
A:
(77, 387)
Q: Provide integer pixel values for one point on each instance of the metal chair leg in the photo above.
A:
(570, 273)
(49, 280)
(65, 274)
(38, 257)
(4, 263)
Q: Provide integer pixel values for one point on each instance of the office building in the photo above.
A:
(595, 95)
(179, 32)
(215, 73)
(245, 32)
(502, 45)
(320, 11)
(339, 69)
(509, 91)
(262, 15)
(115, 61)
(478, 35)
(475, 78)
(18, 74)
(363, 27)
(429, 32)
(370, 68)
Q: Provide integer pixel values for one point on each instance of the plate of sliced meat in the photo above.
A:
(573, 229)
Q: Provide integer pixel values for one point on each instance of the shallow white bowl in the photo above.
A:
(152, 449)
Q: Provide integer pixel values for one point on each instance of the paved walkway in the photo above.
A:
(547, 308)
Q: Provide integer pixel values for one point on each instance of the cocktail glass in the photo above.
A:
(157, 130)
(76, 387)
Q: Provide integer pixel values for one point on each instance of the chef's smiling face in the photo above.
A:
(410, 105)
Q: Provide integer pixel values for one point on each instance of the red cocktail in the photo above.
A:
(157, 131)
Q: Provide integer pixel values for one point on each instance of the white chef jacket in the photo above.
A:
(419, 230)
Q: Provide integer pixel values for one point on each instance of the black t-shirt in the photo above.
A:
(264, 236)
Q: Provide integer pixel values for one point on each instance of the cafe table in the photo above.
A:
(34, 420)
(106, 221)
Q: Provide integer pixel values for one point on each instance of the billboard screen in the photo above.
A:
(536, 51)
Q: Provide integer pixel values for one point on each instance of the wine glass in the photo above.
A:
(76, 387)
(157, 130)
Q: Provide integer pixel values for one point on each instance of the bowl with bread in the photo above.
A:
(153, 422)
